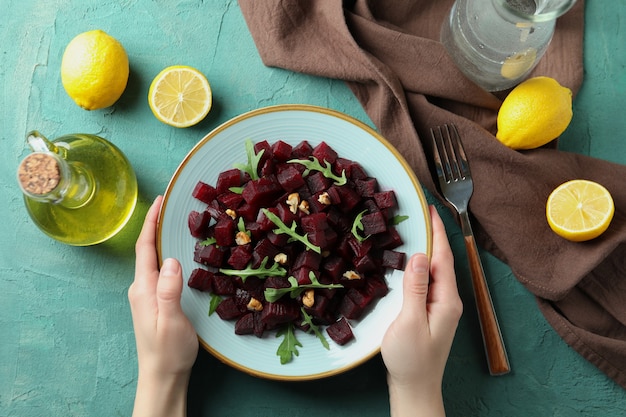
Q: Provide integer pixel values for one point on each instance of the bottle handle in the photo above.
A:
(39, 143)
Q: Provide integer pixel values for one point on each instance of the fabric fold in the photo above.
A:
(391, 59)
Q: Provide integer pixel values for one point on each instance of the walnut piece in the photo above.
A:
(254, 305)
(232, 213)
(280, 258)
(293, 200)
(308, 298)
(324, 198)
(242, 238)
(351, 275)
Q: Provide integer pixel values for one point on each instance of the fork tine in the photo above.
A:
(458, 152)
(438, 163)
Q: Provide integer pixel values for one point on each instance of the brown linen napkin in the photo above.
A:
(392, 60)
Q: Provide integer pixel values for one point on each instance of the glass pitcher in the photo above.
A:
(78, 189)
(496, 43)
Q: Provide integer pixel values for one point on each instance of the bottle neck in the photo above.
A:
(45, 177)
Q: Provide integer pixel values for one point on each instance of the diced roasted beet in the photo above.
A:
(314, 222)
(242, 298)
(386, 199)
(276, 282)
(210, 255)
(338, 221)
(215, 210)
(225, 231)
(198, 223)
(268, 168)
(302, 275)
(360, 249)
(318, 238)
(389, 240)
(361, 296)
(265, 223)
(365, 264)
(230, 200)
(281, 150)
(248, 212)
(285, 215)
(227, 179)
(255, 230)
(277, 240)
(357, 172)
(348, 198)
(201, 279)
(373, 223)
(223, 284)
(264, 249)
(267, 151)
(254, 286)
(309, 259)
(334, 266)
(370, 205)
(282, 311)
(302, 150)
(204, 192)
(259, 326)
(340, 331)
(317, 182)
(377, 286)
(323, 152)
(228, 310)
(289, 177)
(366, 187)
(344, 248)
(240, 256)
(319, 306)
(261, 192)
(245, 324)
(393, 259)
(349, 308)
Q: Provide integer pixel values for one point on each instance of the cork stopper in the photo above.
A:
(39, 174)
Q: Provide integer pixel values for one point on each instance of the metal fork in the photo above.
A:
(457, 187)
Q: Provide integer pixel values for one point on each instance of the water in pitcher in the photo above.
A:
(496, 43)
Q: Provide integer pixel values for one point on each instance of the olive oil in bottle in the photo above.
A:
(78, 189)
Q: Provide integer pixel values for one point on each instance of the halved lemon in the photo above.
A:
(579, 210)
(180, 96)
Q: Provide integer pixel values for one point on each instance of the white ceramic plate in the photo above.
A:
(223, 147)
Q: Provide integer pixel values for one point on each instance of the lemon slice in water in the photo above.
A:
(180, 96)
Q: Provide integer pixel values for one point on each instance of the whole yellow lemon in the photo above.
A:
(535, 112)
(94, 70)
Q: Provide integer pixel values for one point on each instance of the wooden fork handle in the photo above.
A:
(497, 358)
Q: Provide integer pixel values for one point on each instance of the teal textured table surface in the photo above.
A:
(67, 346)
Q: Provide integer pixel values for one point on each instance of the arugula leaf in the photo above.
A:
(289, 345)
(261, 272)
(252, 167)
(215, 301)
(397, 219)
(241, 226)
(314, 328)
(236, 190)
(358, 225)
(208, 241)
(282, 228)
(273, 294)
(313, 164)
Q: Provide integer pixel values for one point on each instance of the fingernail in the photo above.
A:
(170, 267)
(419, 263)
